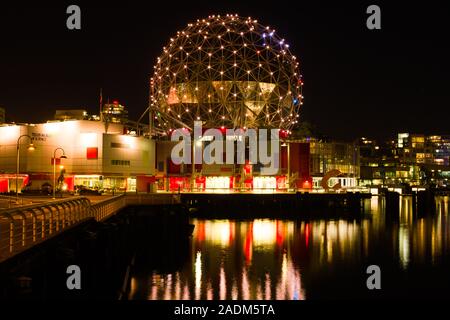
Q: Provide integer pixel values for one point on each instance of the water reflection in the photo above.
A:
(273, 259)
(245, 260)
(423, 239)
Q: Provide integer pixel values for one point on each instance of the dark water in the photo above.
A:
(294, 259)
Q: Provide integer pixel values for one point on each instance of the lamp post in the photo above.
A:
(31, 148)
(54, 168)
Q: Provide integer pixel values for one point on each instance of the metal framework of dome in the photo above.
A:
(226, 71)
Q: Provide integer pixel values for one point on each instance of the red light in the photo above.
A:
(282, 134)
(115, 102)
(306, 185)
(92, 153)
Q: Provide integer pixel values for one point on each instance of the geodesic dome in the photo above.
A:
(226, 71)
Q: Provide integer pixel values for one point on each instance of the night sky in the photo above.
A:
(358, 82)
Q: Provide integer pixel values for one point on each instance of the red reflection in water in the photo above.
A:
(307, 234)
(267, 259)
(280, 233)
(231, 232)
(200, 228)
(248, 245)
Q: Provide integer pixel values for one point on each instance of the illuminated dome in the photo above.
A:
(226, 71)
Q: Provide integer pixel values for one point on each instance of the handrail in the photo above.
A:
(38, 205)
(25, 226)
(104, 209)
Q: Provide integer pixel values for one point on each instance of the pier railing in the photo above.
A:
(104, 209)
(25, 226)
(152, 199)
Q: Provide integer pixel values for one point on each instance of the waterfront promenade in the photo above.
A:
(40, 218)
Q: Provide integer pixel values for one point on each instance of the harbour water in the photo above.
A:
(304, 259)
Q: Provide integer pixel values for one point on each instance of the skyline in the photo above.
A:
(241, 153)
(394, 77)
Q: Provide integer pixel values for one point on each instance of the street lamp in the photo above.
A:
(54, 168)
(30, 148)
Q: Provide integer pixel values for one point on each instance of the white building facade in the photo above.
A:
(98, 157)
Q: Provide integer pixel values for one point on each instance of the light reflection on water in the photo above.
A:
(271, 259)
